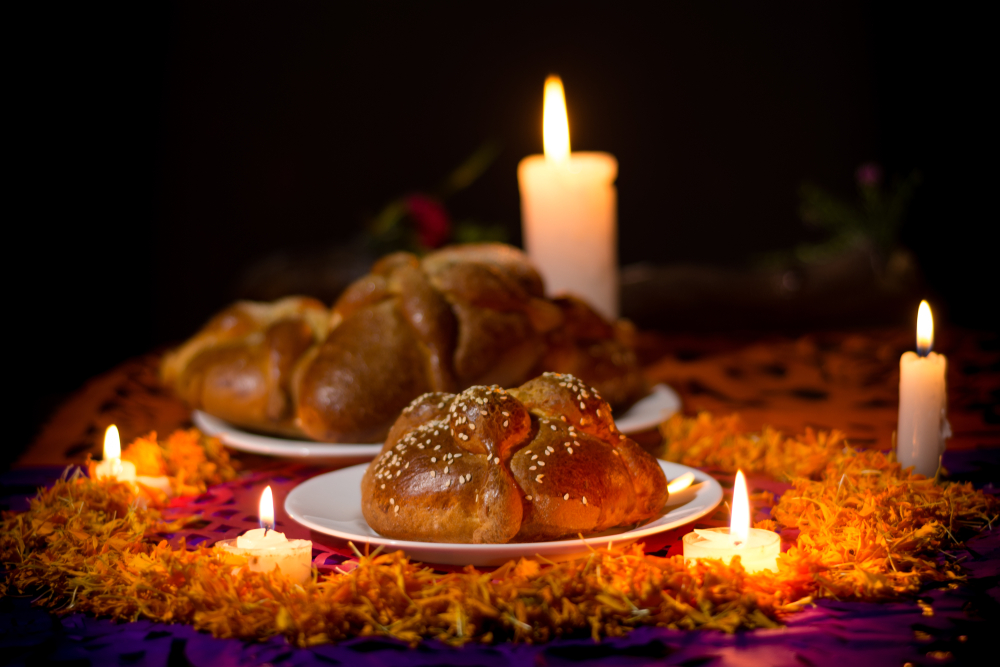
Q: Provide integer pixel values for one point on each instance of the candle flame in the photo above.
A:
(112, 444)
(266, 511)
(739, 525)
(925, 329)
(681, 483)
(555, 124)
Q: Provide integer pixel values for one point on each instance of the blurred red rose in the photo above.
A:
(430, 218)
(869, 175)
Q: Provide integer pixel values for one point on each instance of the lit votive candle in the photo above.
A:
(124, 471)
(112, 464)
(923, 423)
(758, 549)
(266, 549)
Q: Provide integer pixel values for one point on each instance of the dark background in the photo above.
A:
(162, 150)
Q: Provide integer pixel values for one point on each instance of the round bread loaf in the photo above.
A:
(488, 465)
(462, 316)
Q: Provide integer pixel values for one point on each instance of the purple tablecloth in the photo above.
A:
(952, 626)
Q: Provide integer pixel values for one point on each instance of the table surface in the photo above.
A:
(848, 381)
(842, 380)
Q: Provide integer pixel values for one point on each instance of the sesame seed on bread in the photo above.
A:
(488, 465)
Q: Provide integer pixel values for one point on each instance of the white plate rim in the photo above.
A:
(654, 408)
(284, 447)
(706, 489)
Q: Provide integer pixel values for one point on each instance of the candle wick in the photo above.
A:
(265, 531)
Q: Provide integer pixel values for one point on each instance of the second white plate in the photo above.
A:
(656, 407)
(331, 504)
(287, 448)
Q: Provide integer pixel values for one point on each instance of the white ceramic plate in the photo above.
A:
(283, 447)
(657, 407)
(331, 504)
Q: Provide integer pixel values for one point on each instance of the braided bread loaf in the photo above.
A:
(462, 316)
(538, 462)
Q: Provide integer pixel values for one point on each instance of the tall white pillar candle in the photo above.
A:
(923, 424)
(569, 212)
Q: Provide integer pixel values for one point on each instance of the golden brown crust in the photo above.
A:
(330, 406)
(429, 316)
(463, 316)
(240, 366)
(649, 497)
(366, 291)
(506, 261)
(496, 298)
(447, 479)
(539, 462)
(589, 347)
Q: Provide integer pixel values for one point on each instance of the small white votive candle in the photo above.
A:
(159, 482)
(125, 471)
(758, 549)
(112, 465)
(759, 552)
(266, 549)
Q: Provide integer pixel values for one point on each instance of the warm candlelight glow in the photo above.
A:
(757, 549)
(555, 124)
(569, 209)
(266, 511)
(113, 451)
(112, 444)
(266, 549)
(925, 329)
(681, 483)
(739, 525)
(923, 402)
(112, 465)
